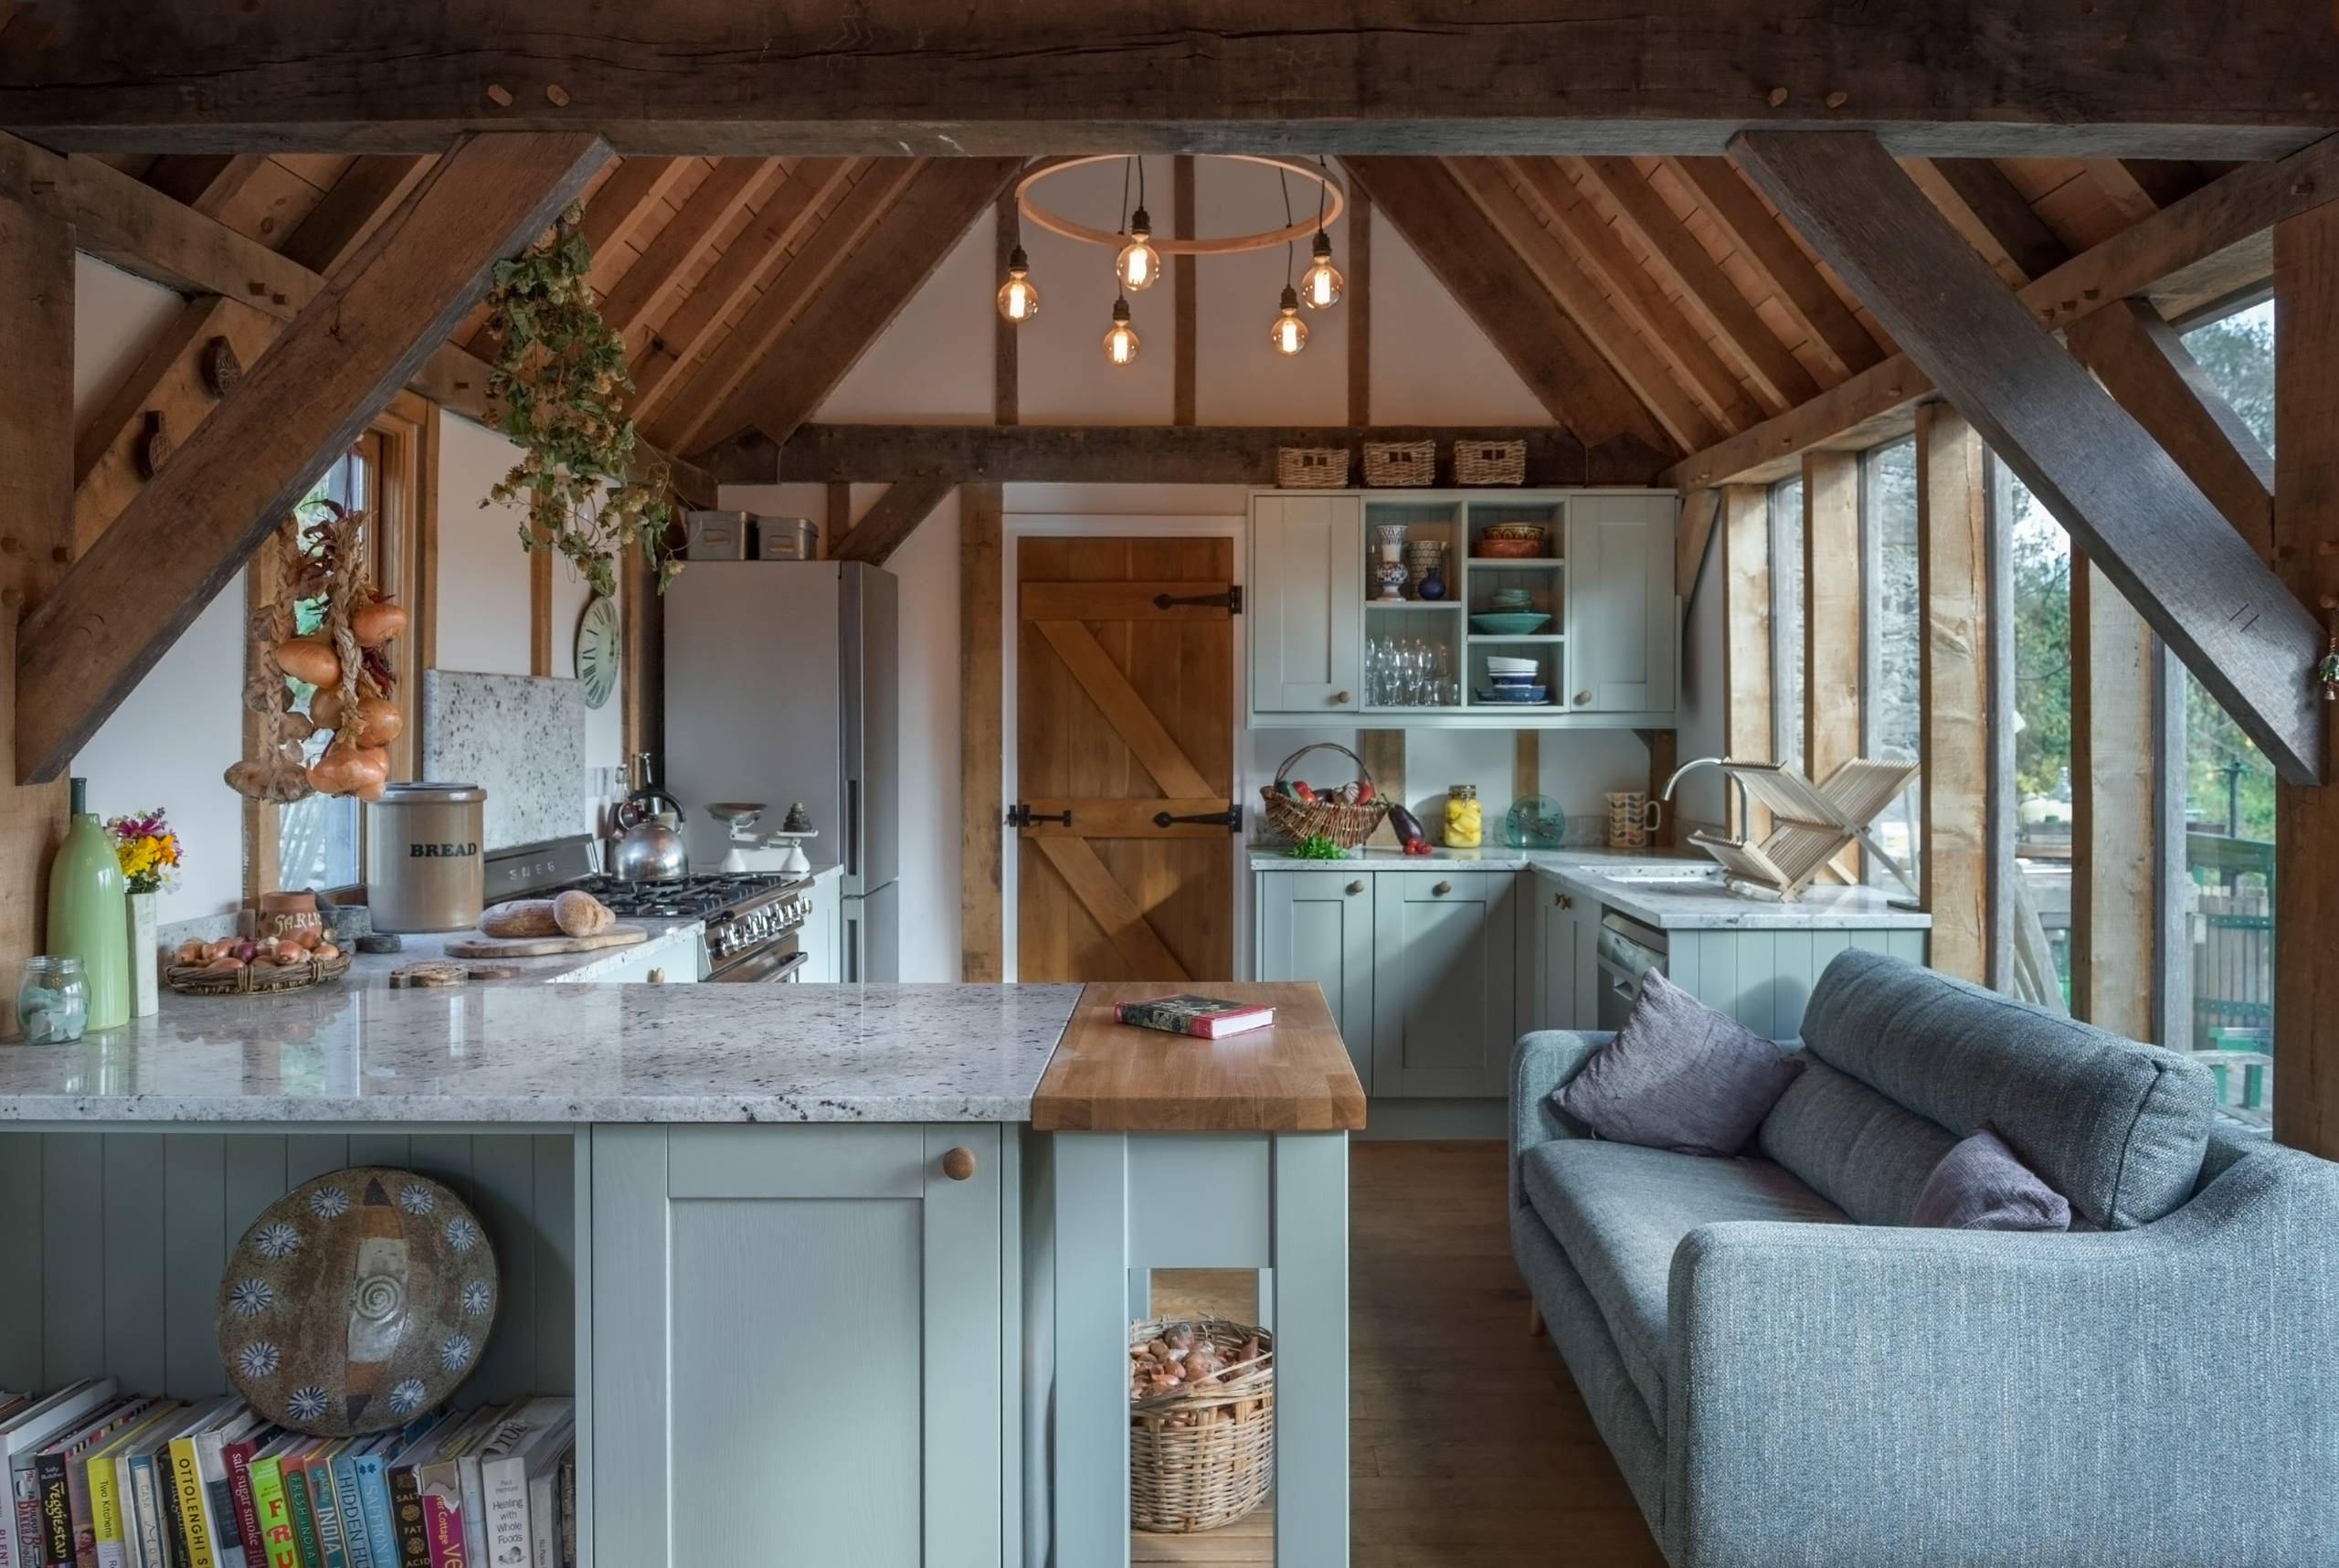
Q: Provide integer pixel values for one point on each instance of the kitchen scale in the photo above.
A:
(751, 850)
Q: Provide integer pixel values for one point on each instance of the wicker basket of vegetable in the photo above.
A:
(1344, 813)
(1201, 1424)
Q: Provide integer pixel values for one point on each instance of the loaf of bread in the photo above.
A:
(580, 913)
(520, 917)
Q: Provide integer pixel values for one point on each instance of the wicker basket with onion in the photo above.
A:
(1201, 1424)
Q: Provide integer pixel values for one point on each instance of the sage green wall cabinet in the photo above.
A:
(1317, 925)
(798, 1352)
(1576, 583)
(1305, 599)
(1623, 641)
(1445, 963)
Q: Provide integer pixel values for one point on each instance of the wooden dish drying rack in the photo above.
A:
(1810, 824)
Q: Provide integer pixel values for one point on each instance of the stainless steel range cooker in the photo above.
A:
(754, 919)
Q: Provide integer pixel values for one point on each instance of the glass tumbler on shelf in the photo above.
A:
(53, 1000)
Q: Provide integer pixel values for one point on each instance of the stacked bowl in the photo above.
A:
(1510, 680)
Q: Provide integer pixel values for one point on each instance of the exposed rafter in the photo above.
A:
(2126, 502)
(1511, 305)
(359, 200)
(649, 286)
(1771, 251)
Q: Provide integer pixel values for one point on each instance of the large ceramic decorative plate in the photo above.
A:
(356, 1301)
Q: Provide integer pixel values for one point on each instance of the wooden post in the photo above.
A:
(36, 527)
(981, 805)
(1748, 704)
(2306, 553)
(1185, 288)
(1383, 751)
(1005, 373)
(540, 612)
(1832, 615)
(2112, 768)
(1954, 717)
(1357, 300)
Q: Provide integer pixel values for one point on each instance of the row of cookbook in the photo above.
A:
(97, 1479)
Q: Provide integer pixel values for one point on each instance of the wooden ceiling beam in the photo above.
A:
(1781, 377)
(1160, 454)
(811, 185)
(1767, 247)
(206, 182)
(359, 200)
(940, 78)
(1642, 362)
(2125, 501)
(734, 356)
(2200, 235)
(2142, 362)
(1487, 279)
(2004, 215)
(887, 526)
(120, 607)
(626, 200)
(1637, 290)
(886, 264)
(647, 287)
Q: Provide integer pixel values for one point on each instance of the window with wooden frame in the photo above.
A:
(390, 473)
(1893, 625)
(1786, 622)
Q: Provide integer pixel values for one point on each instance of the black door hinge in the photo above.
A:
(1230, 819)
(1232, 598)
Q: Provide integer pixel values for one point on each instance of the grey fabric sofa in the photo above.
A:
(1788, 1374)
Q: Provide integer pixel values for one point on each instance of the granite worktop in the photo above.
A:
(1672, 892)
(374, 970)
(557, 1053)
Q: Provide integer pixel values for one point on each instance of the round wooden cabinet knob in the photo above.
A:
(1339, 698)
(958, 1164)
(1583, 696)
(1357, 886)
(1442, 889)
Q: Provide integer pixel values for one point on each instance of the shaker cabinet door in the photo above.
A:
(796, 1348)
(1557, 930)
(1622, 645)
(1307, 605)
(1444, 952)
(1317, 925)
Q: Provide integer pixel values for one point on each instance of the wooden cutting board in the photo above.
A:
(540, 946)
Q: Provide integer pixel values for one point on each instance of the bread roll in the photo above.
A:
(580, 913)
(520, 917)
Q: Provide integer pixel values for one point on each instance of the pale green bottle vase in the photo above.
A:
(88, 912)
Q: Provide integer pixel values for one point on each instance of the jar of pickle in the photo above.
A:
(1464, 826)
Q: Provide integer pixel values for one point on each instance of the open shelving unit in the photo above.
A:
(1439, 631)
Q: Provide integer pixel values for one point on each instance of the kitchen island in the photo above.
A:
(824, 1283)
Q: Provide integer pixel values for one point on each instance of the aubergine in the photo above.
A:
(1406, 826)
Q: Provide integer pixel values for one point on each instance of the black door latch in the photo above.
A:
(1020, 815)
(1230, 819)
(1231, 601)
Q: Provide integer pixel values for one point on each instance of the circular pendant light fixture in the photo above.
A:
(1331, 203)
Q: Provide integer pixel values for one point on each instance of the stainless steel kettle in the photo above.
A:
(649, 847)
(651, 851)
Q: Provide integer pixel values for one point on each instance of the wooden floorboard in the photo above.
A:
(1468, 1444)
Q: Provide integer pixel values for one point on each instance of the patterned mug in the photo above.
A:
(1632, 817)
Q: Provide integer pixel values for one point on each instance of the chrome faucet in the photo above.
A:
(1745, 802)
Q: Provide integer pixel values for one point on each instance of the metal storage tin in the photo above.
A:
(785, 539)
(720, 535)
(423, 871)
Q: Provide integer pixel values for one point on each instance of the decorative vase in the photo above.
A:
(145, 977)
(88, 912)
(1391, 577)
(1433, 587)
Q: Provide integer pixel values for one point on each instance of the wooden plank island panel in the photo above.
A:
(1293, 1076)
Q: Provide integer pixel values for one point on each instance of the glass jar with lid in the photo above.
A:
(53, 1000)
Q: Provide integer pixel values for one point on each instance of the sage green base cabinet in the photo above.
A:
(1763, 978)
(1564, 930)
(799, 1350)
(1422, 971)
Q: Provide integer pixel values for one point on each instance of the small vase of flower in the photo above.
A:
(149, 852)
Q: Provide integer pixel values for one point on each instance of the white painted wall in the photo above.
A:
(172, 737)
(482, 587)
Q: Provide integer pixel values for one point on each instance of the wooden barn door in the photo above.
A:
(1125, 694)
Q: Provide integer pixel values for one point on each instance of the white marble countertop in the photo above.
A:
(374, 970)
(557, 1053)
(1627, 881)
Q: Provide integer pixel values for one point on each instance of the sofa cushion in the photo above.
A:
(2117, 1127)
(1679, 1076)
(1981, 1186)
(1618, 1210)
(1853, 1146)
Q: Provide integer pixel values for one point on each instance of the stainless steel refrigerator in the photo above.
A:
(783, 684)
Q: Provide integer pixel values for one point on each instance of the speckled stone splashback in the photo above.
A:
(522, 738)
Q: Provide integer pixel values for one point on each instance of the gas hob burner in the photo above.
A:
(692, 898)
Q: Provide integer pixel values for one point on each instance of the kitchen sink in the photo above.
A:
(1666, 874)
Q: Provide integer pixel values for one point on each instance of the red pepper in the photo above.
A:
(1299, 787)
(1363, 790)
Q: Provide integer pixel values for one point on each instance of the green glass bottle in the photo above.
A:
(88, 912)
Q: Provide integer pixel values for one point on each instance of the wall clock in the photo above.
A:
(597, 651)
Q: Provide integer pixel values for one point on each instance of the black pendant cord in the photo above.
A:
(1289, 250)
(1124, 193)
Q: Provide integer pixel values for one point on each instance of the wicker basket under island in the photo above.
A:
(1202, 1450)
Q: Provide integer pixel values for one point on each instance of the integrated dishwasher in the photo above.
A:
(1627, 950)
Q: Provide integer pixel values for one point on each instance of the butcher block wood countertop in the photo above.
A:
(1292, 1076)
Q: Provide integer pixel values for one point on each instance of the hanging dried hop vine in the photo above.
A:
(558, 382)
(326, 628)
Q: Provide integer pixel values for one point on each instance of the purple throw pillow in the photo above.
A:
(1679, 1076)
(1981, 1185)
